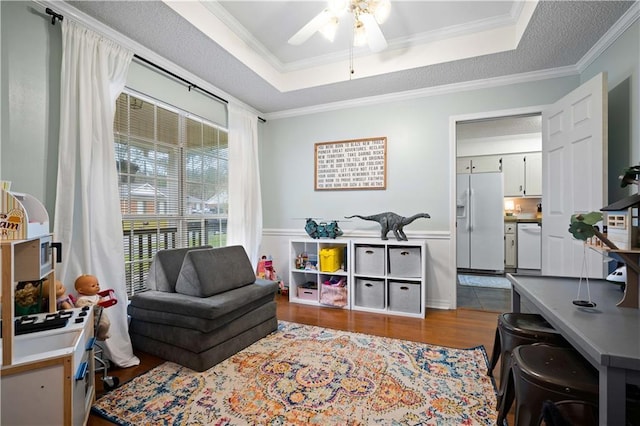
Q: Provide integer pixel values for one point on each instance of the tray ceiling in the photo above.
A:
(241, 48)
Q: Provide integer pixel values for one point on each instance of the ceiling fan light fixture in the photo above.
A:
(359, 34)
(338, 7)
(373, 35)
(329, 29)
(381, 10)
(366, 14)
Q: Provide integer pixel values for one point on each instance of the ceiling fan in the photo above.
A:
(367, 15)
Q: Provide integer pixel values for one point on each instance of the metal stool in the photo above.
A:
(542, 372)
(569, 412)
(515, 329)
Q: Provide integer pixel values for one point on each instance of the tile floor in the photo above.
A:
(484, 298)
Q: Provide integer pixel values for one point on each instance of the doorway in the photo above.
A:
(486, 146)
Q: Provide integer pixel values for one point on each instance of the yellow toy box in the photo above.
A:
(330, 259)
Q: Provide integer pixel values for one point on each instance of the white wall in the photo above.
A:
(420, 161)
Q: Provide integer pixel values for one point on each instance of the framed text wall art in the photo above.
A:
(351, 164)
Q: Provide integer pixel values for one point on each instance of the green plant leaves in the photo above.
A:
(581, 226)
(589, 218)
(581, 231)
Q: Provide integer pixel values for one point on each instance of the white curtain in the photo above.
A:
(244, 226)
(88, 220)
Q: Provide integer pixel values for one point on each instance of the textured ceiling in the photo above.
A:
(559, 34)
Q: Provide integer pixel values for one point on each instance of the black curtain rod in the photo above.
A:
(189, 84)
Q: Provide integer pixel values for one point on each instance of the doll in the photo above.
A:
(63, 301)
(87, 287)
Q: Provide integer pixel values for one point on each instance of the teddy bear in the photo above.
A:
(27, 297)
(63, 301)
(88, 287)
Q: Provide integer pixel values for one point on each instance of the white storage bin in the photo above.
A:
(369, 293)
(369, 260)
(404, 297)
(308, 293)
(405, 262)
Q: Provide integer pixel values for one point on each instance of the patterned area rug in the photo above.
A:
(302, 375)
(484, 281)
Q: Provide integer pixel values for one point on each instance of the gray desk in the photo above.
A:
(608, 336)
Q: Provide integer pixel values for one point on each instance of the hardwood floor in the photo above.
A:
(462, 328)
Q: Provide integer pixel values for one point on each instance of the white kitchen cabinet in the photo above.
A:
(478, 164)
(513, 175)
(510, 246)
(533, 174)
(522, 174)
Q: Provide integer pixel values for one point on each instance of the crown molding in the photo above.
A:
(430, 91)
(630, 16)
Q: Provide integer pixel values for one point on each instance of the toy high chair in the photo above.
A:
(107, 299)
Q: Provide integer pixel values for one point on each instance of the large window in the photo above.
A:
(173, 177)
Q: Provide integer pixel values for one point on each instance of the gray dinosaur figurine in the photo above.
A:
(390, 221)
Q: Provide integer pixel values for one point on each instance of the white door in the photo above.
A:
(574, 146)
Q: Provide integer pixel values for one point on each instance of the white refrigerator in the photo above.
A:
(480, 221)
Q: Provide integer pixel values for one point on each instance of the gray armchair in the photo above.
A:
(205, 304)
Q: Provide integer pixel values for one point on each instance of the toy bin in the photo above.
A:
(308, 291)
(333, 295)
(330, 259)
(369, 293)
(405, 262)
(369, 260)
(404, 297)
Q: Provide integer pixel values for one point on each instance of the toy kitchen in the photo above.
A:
(47, 355)
(523, 235)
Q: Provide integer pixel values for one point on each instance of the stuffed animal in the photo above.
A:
(63, 301)
(27, 294)
(88, 287)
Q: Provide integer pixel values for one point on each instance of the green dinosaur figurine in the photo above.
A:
(390, 221)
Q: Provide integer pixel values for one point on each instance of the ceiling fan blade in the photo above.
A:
(375, 38)
(310, 28)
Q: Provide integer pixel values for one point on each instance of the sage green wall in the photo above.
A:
(30, 97)
(621, 61)
(419, 163)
